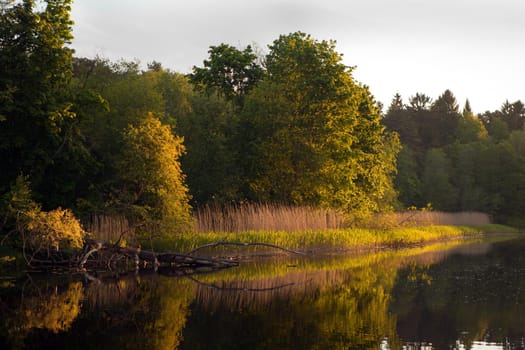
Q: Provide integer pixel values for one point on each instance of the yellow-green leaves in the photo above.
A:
(151, 174)
(317, 137)
(54, 229)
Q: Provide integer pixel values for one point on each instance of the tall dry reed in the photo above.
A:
(264, 217)
(108, 228)
(273, 217)
(428, 217)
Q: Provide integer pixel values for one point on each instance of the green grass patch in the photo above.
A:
(354, 238)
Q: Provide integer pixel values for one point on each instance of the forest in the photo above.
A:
(80, 136)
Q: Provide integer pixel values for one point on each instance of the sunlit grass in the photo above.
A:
(387, 258)
(342, 239)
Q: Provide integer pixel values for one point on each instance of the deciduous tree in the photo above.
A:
(151, 183)
(229, 70)
(316, 132)
(36, 120)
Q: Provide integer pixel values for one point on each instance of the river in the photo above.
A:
(468, 295)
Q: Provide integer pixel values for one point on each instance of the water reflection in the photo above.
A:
(468, 297)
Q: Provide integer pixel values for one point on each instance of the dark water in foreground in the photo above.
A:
(441, 297)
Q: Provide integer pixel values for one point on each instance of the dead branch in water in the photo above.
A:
(112, 257)
(223, 243)
(145, 258)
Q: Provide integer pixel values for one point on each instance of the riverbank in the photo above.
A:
(352, 239)
(310, 242)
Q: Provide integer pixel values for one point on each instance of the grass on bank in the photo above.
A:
(338, 239)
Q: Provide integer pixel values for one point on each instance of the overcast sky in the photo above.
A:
(475, 48)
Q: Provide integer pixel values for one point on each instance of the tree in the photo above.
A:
(396, 105)
(315, 133)
(468, 164)
(470, 128)
(211, 161)
(420, 102)
(36, 121)
(231, 71)
(405, 122)
(513, 114)
(151, 183)
(446, 104)
(436, 187)
(36, 232)
(407, 181)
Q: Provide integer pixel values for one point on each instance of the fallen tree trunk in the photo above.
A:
(99, 254)
(144, 258)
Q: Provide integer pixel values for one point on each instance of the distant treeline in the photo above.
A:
(459, 161)
(292, 127)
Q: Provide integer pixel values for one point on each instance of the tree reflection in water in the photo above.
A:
(428, 298)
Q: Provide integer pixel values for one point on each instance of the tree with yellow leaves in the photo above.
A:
(151, 181)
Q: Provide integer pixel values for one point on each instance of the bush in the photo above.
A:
(53, 229)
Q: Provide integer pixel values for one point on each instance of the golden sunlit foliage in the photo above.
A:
(56, 228)
(39, 230)
(152, 178)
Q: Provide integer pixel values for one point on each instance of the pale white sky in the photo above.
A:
(473, 47)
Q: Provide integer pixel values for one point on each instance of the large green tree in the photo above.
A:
(313, 134)
(37, 124)
(230, 71)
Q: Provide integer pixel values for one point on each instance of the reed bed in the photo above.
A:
(304, 228)
(427, 217)
(264, 217)
(108, 228)
(272, 217)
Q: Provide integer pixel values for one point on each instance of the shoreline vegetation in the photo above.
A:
(251, 244)
(333, 241)
(247, 148)
(313, 230)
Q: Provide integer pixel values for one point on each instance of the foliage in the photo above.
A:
(150, 174)
(315, 136)
(436, 187)
(34, 230)
(407, 180)
(459, 162)
(211, 162)
(106, 137)
(229, 70)
(52, 230)
(37, 122)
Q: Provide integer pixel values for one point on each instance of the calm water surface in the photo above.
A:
(441, 297)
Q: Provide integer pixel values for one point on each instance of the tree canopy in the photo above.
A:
(315, 133)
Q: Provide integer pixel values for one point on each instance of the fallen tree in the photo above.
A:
(97, 255)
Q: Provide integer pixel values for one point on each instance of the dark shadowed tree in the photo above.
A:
(419, 102)
(407, 181)
(446, 104)
(513, 114)
(38, 128)
(396, 105)
(436, 187)
(230, 71)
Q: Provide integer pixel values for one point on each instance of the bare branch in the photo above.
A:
(218, 243)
